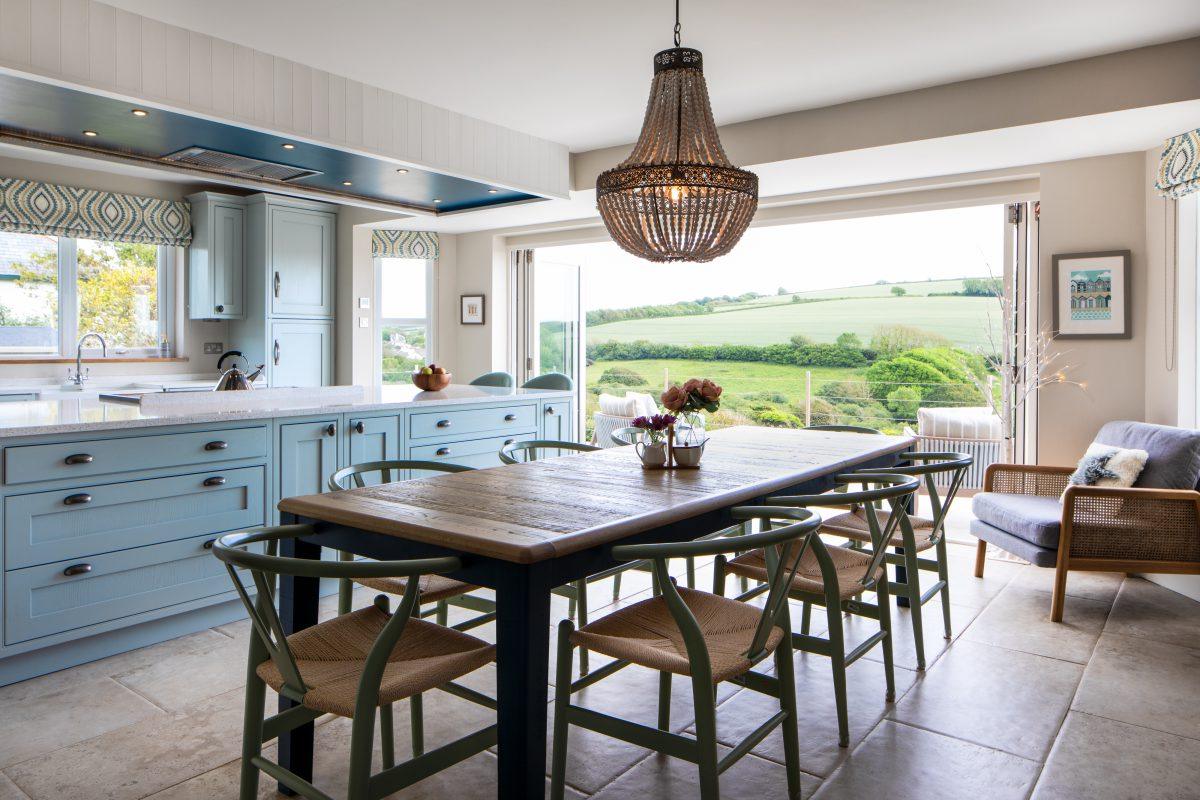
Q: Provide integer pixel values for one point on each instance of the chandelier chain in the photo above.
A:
(677, 39)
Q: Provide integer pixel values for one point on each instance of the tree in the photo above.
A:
(899, 291)
(781, 291)
(890, 340)
(904, 402)
(850, 340)
(796, 298)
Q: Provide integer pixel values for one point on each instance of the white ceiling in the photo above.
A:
(578, 72)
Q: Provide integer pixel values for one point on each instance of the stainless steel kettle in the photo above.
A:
(234, 379)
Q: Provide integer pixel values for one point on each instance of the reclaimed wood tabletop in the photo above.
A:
(526, 513)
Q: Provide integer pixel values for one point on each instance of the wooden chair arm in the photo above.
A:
(1035, 479)
(1131, 524)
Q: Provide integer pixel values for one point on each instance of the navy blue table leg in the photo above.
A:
(522, 663)
(298, 599)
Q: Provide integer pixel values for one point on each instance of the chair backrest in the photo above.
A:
(626, 436)
(388, 472)
(1174, 461)
(783, 546)
(534, 449)
(948, 469)
(551, 380)
(502, 379)
(842, 428)
(234, 550)
(878, 487)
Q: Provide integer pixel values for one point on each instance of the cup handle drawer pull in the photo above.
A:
(77, 569)
(276, 281)
(509, 441)
(79, 458)
(510, 417)
(77, 499)
(216, 480)
(209, 544)
(217, 446)
(443, 451)
(443, 423)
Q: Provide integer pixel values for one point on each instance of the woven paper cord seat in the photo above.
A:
(331, 655)
(851, 565)
(853, 525)
(433, 587)
(646, 634)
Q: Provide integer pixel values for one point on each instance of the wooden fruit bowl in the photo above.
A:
(431, 383)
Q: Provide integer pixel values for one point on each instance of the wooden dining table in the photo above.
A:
(525, 529)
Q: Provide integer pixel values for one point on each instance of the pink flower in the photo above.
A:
(693, 384)
(709, 390)
(674, 398)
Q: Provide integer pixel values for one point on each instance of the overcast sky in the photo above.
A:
(817, 255)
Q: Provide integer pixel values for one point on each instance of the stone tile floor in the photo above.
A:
(1105, 705)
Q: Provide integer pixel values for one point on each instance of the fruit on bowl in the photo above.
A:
(431, 378)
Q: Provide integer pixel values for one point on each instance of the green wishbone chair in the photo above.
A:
(551, 380)
(721, 638)
(381, 657)
(623, 437)
(916, 535)
(837, 577)
(576, 593)
(501, 379)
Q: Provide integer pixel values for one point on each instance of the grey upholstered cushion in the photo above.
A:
(1035, 519)
(1038, 556)
(1174, 461)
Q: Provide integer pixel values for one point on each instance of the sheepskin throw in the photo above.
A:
(1105, 465)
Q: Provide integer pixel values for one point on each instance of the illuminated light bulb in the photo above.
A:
(676, 193)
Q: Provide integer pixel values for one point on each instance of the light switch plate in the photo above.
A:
(364, 302)
(364, 322)
(214, 348)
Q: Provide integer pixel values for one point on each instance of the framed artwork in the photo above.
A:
(1091, 295)
(472, 309)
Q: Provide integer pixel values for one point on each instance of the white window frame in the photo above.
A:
(430, 320)
(68, 305)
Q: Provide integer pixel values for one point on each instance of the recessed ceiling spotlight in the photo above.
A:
(437, 200)
(493, 191)
(90, 133)
(140, 112)
(288, 146)
(347, 183)
(402, 171)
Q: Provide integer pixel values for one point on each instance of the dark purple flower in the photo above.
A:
(642, 422)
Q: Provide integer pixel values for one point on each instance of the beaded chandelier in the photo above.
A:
(677, 197)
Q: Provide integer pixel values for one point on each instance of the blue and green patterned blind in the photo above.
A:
(403, 244)
(1179, 167)
(45, 208)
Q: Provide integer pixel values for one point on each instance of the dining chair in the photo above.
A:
(551, 380)
(501, 379)
(704, 637)
(623, 437)
(836, 577)
(355, 665)
(916, 535)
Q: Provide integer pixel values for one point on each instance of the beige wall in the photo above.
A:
(481, 267)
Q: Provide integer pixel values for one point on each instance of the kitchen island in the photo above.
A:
(109, 511)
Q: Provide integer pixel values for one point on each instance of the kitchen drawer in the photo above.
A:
(52, 526)
(478, 453)
(475, 420)
(44, 600)
(47, 462)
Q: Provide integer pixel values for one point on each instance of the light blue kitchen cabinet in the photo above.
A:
(216, 257)
(300, 262)
(558, 419)
(308, 455)
(477, 453)
(372, 439)
(456, 423)
(301, 353)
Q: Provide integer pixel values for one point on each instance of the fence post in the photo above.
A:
(807, 398)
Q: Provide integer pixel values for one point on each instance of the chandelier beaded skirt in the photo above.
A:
(677, 197)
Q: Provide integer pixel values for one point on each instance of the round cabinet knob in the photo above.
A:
(331, 429)
(77, 569)
(220, 309)
(360, 427)
(550, 410)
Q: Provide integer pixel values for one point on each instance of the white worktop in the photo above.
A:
(88, 413)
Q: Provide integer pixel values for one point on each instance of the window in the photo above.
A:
(55, 289)
(406, 290)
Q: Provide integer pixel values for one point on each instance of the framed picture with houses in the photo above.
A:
(1091, 295)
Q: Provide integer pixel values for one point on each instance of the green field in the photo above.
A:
(868, 290)
(962, 320)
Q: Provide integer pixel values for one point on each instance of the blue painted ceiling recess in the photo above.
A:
(57, 114)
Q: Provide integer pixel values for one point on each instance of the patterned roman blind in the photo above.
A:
(404, 244)
(45, 208)
(1179, 167)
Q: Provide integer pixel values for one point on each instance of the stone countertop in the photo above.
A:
(83, 414)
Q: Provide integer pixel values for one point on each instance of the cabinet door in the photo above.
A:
(308, 455)
(301, 353)
(228, 261)
(373, 439)
(558, 417)
(301, 269)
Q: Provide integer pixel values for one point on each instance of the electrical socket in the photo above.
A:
(214, 348)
